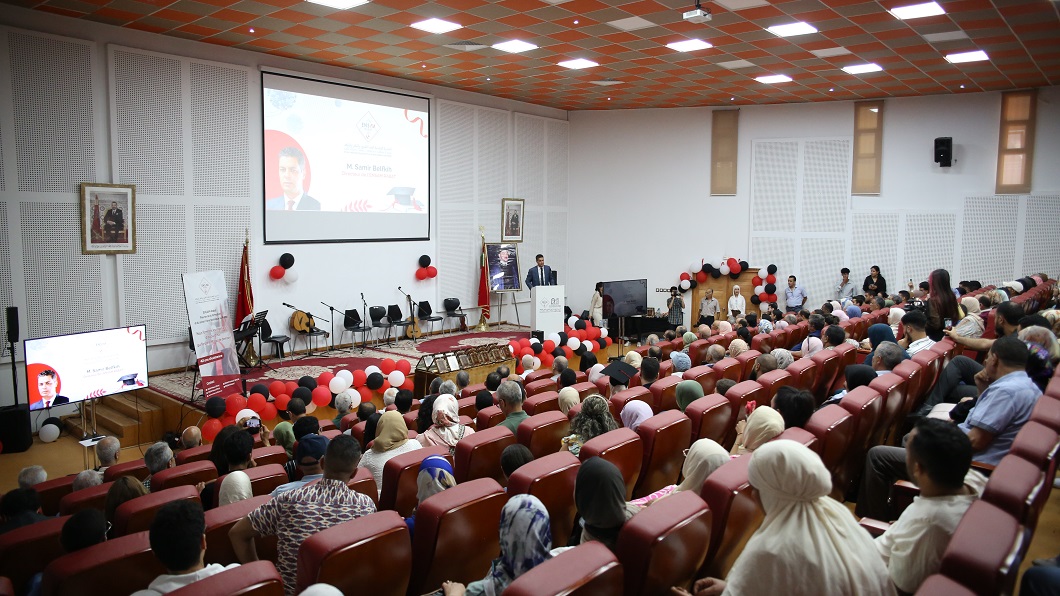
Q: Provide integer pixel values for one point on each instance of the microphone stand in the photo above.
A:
(412, 315)
(333, 311)
(365, 320)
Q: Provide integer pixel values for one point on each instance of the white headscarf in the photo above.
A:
(808, 543)
(596, 372)
(446, 417)
(763, 425)
(704, 456)
(234, 488)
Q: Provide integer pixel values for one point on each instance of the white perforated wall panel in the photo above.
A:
(3, 185)
(988, 218)
(775, 251)
(493, 146)
(63, 290)
(459, 247)
(219, 104)
(533, 243)
(875, 243)
(929, 242)
(148, 127)
(153, 293)
(825, 185)
(556, 243)
(775, 183)
(51, 88)
(558, 133)
(1041, 242)
(529, 159)
(5, 273)
(456, 157)
(820, 260)
(219, 244)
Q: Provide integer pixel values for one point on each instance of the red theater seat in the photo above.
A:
(25, 551)
(704, 375)
(584, 389)
(666, 368)
(762, 343)
(135, 468)
(773, 380)
(544, 373)
(664, 394)
(621, 447)
(351, 419)
(92, 497)
(848, 355)
(620, 399)
(269, 455)
(667, 348)
(541, 433)
(1047, 412)
(985, 566)
(50, 492)
(947, 348)
(409, 417)
(330, 433)
(259, 578)
(136, 515)
(891, 388)
(725, 339)
(466, 407)
(219, 522)
(188, 474)
(540, 386)
(551, 479)
(803, 374)
(800, 435)
(488, 418)
(581, 377)
(457, 535)
(748, 359)
(346, 556)
(603, 386)
(1017, 487)
(665, 437)
(865, 404)
(546, 401)
(660, 547)
(200, 453)
(742, 393)
(697, 351)
(913, 374)
(712, 417)
(472, 390)
(931, 362)
(735, 514)
(479, 455)
(828, 370)
(364, 483)
(940, 585)
(399, 479)
(357, 432)
(119, 566)
(728, 368)
(834, 427)
(590, 570)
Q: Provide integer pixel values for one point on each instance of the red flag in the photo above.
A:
(245, 301)
(483, 286)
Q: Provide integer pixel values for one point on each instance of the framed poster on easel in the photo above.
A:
(502, 265)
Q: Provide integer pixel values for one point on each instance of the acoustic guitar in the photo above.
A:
(412, 331)
(302, 322)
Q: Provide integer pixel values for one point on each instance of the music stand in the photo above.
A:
(259, 318)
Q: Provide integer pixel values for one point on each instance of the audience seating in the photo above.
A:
(665, 437)
(25, 551)
(545, 401)
(865, 404)
(762, 343)
(200, 453)
(1017, 487)
(466, 407)
(735, 514)
(374, 550)
(119, 566)
(457, 535)
(621, 447)
(985, 566)
(747, 359)
(828, 370)
(620, 399)
(931, 362)
(349, 420)
(399, 479)
(219, 522)
(728, 368)
(551, 479)
(603, 386)
(773, 380)
(1047, 412)
(274, 454)
(913, 374)
(584, 389)
(665, 546)
(479, 455)
(725, 339)
(697, 351)
(664, 394)
(666, 368)
(742, 393)
(891, 388)
(834, 427)
(358, 429)
(50, 492)
(780, 339)
(948, 349)
(188, 474)
(541, 433)
(712, 417)
(135, 468)
(259, 578)
(544, 373)
(472, 390)
(364, 483)
(327, 424)
(940, 585)
(330, 433)
(136, 515)
(540, 386)
(667, 348)
(704, 375)
(589, 570)
(803, 374)
(410, 418)
(580, 377)
(488, 418)
(800, 435)
(92, 497)
(573, 411)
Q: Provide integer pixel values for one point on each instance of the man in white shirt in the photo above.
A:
(915, 338)
(178, 540)
(844, 290)
(938, 456)
(528, 366)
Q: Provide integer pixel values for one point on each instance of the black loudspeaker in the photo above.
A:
(944, 151)
(15, 431)
(12, 324)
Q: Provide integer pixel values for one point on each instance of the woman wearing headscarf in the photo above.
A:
(838, 311)
(762, 426)
(596, 372)
(721, 327)
(808, 544)
(737, 347)
(688, 338)
(593, 420)
(391, 440)
(972, 324)
(633, 359)
(894, 317)
(878, 334)
(526, 538)
(737, 305)
(853, 310)
(701, 459)
(234, 488)
(783, 356)
(600, 496)
(687, 392)
(568, 398)
(447, 429)
(634, 413)
(435, 475)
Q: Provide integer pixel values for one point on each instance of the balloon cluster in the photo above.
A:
(578, 337)
(426, 270)
(283, 270)
(765, 289)
(698, 272)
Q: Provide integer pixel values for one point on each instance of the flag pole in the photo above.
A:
(484, 309)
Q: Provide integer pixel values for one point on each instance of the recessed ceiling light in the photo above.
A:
(488, 79)
(831, 88)
(830, 52)
(578, 63)
(606, 82)
(732, 99)
(734, 64)
(466, 46)
(436, 26)
(339, 4)
(609, 99)
(862, 68)
(514, 46)
(631, 23)
(770, 79)
(251, 29)
(916, 11)
(734, 5)
(798, 28)
(976, 56)
(575, 21)
(689, 45)
(945, 36)
(962, 86)
(424, 65)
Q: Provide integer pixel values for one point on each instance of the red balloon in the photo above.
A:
(519, 369)
(582, 335)
(404, 366)
(548, 346)
(771, 279)
(772, 297)
(387, 365)
(227, 421)
(210, 429)
(609, 340)
(756, 281)
(421, 273)
(321, 396)
(432, 271)
(359, 378)
(735, 268)
(268, 412)
(732, 263)
(291, 387)
(235, 403)
(408, 384)
(281, 401)
(524, 342)
(593, 332)
(277, 388)
(325, 378)
(526, 352)
(685, 276)
(701, 277)
(277, 272)
(763, 297)
(256, 402)
(547, 359)
(386, 385)
(569, 352)
(366, 394)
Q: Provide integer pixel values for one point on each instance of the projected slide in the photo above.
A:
(343, 163)
(71, 368)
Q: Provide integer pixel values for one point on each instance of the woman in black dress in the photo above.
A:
(875, 282)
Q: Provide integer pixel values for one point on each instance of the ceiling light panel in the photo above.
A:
(862, 68)
(772, 79)
(631, 24)
(962, 57)
(578, 63)
(830, 52)
(689, 45)
(339, 4)
(792, 29)
(734, 64)
(436, 26)
(514, 46)
(917, 11)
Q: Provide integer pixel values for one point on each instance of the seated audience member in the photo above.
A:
(670, 335)
(703, 331)
(191, 437)
(31, 476)
(634, 413)
(435, 475)
(370, 427)
(715, 354)
(649, 372)
(784, 357)
(425, 415)
(812, 344)
(587, 362)
(283, 432)
(298, 514)
(743, 333)
(107, 452)
(559, 364)
(343, 403)
(763, 364)
(802, 315)
(596, 373)
(721, 327)
(310, 451)
(462, 380)
(737, 347)
(403, 401)
(365, 411)
(125, 488)
(651, 340)
(1006, 322)
(593, 420)
(158, 457)
(504, 372)
(525, 538)
(514, 457)
(20, 507)
(87, 479)
(894, 318)
(600, 497)
(938, 457)
(723, 385)
(510, 395)
(688, 337)
(85, 528)
(306, 425)
(878, 334)
(178, 540)
(762, 426)
(833, 337)
(237, 448)
(795, 406)
(916, 338)
(568, 398)
(808, 543)
(448, 388)
(1045, 353)
(483, 400)
(857, 375)
(1008, 396)
(446, 429)
(972, 325)
(493, 381)
(528, 365)
(388, 398)
(567, 378)
(633, 359)
(681, 363)
(701, 459)
(687, 392)
(655, 352)
(391, 440)
(435, 387)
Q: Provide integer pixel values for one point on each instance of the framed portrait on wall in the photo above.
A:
(511, 220)
(108, 218)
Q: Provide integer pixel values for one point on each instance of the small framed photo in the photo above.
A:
(511, 220)
(464, 360)
(108, 218)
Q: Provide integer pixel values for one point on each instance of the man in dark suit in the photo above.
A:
(47, 381)
(113, 222)
(540, 275)
(292, 175)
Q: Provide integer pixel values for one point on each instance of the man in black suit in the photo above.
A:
(113, 222)
(540, 275)
(47, 381)
(292, 175)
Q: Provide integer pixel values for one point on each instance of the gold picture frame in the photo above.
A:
(512, 220)
(108, 218)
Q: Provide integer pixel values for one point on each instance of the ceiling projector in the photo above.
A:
(698, 15)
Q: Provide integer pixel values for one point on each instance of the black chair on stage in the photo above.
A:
(378, 316)
(353, 323)
(393, 312)
(426, 315)
(265, 336)
(453, 311)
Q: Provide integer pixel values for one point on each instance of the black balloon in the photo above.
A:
(771, 288)
(734, 275)
(772, 269)
(286, 260)
(743, 265)
(756, 300)
(579, 324)
(692, 284)
(261, 388)
(375, 381)
(215, 407)
(707, 268)
(308, 382)
(559, 352)
(303, 393)
(580, 350)
(537, 347)
(425, 261)
(715, 273)
(563, 338)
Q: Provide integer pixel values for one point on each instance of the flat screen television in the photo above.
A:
(626, 298)
(67, 369)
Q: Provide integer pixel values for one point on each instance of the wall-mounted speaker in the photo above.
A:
(12, 324)
(944, 151)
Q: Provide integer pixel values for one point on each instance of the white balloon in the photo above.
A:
(396, 378)
(760, 289)
(553, 337)
(695, 267)
(573, 343)
(372, 369)
(603, 332)
(537, 363)
(310, 407)
(685, 284)
(48, 433)
(338, 384)
(571, 321)
(724, 269)
(588, 345)
(290, 276)
(347, 375)
(534, 340)
(511, 348)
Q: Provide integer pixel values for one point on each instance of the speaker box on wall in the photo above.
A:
(944, 151)
(15, 431)
(12, 324)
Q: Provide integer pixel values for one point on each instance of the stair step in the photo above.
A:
(130, 406)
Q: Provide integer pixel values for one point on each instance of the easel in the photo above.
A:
(500, 305)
